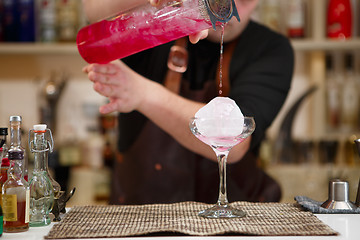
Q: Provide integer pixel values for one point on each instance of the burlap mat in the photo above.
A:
(265, 219)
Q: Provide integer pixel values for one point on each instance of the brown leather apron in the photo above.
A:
(157, 169)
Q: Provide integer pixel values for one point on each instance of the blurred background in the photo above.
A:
(311, 141)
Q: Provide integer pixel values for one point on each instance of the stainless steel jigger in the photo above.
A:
(338, 196)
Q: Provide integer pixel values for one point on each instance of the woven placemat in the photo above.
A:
(263, 219)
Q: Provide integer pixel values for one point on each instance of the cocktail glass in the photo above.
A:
(221, 144)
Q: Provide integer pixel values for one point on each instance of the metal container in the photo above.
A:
(338, 196)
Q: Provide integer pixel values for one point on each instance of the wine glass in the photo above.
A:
(221, 134)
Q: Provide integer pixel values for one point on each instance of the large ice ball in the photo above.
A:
(221, 117)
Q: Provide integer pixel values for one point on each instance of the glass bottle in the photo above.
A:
(3, 134)
(5, 164)
(68, 25)
(15, 191)
(148, 26)
(333, 95)
(271, 14)
(339, 19)
(15, 143)
(295, 23)
(41, 189)
(4, 160)
(3, 150)
(350, 97)
(47, 20)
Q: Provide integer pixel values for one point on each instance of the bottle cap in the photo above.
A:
(3, 131)
(15, 118)
(221, 11)
(40, 127)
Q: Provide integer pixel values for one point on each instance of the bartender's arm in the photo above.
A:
(128, 91)
(96, 10)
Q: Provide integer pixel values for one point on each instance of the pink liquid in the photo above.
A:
(127, 34)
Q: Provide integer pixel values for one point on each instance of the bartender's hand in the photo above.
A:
(124, 88)
(194, 38)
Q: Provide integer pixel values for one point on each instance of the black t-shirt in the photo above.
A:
(260, 77)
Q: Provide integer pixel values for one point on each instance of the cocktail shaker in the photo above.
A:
(147, 26)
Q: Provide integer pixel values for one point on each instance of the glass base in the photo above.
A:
(44, 222)
(219, 211)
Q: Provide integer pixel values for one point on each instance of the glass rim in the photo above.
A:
(245, 117)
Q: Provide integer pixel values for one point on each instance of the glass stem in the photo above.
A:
(222, 156)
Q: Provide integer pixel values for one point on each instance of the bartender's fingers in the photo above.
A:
(102, 73)
(110, 107)
(194, 38)
(109, 91)
(101, 68)
(103, 78)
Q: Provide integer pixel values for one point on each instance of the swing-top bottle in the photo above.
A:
(41, 188)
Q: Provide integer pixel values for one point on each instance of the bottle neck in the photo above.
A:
(40, 152)
(15, 170)
(15, 135)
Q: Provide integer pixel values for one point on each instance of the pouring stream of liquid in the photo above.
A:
(221, 60)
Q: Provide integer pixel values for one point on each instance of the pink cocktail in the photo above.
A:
(222, 145)
(139, 30)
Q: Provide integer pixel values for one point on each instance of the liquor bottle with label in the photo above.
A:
(271, 14)
(15, 191)
(26, 13)
(41, 189)
(46, 20)
(339, 19)
(295, 21)
(68, 20)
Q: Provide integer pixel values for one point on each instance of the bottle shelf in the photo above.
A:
(38, 48)
(325, 45)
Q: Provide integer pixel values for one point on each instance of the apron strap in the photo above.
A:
(177, 64)
(178, 61)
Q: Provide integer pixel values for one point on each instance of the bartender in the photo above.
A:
(159, 159)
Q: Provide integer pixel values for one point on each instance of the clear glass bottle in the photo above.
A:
(350, 97)
(148, 26)
(41, 189)
(46, 20)
(15, 191)
(333, 95)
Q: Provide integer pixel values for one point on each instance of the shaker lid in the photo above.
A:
(3, 131)
(221, 11)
